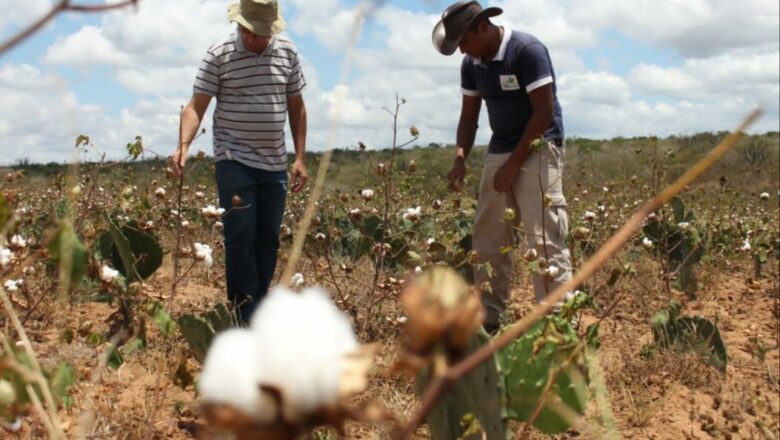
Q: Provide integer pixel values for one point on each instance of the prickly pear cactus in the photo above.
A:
(135, 253)
(549, 351)
(199, 331)
(680, 243)
(473, 406)
(671, 331)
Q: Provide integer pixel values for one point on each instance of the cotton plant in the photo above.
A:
(18, 242)
(13, 285)
(294, 362)
(108, 275)
(412, 214)
(212, 212)
(6, 256)
(296, 280)
(203, 252)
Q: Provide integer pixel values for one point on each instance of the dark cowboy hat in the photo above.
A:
(455, 21)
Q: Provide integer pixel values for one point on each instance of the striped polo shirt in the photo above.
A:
(251, 91)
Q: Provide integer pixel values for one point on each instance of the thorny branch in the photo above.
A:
(62, 6)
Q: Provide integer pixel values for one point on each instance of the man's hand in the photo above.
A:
(502, 181)
(299, 175)
(178, 160)
(456, 174)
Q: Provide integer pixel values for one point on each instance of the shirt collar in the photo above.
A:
(240, 43)
(501, 48)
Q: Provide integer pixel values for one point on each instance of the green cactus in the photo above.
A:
(671, 331)
(550, 348)
(199, 331)
(135, 253)
(683, 249)
(473, 404)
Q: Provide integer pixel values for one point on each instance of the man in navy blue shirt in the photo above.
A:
(512, 72)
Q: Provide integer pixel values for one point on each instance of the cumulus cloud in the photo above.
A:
(41, 115)
(748, 75)
(694, 28)
(18, 14)
(718, 73)
(86, 48)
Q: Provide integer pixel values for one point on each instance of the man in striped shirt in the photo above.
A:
(256, 77)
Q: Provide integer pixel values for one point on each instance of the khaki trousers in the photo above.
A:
(545, 225)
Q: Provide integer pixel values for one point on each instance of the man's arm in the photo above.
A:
(191, 117)
(467, 131)
(542, 103)
(296, 110)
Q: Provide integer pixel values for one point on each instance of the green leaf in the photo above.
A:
(679, 209)
(114, 359)
(371, 224)
(135, 148)
(164, 321)
(124, 251)
(700, 333)
(592, 336)
(199, 331)
(5, 212)
(82, 140)
(94, 339)
(70, 254)
(61, 381)
(414, 255)
(135, 253)
(133, 345)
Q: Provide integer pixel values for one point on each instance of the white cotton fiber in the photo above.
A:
(230, 374)
(302, 339)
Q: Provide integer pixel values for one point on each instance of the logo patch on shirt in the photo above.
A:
(509, 82)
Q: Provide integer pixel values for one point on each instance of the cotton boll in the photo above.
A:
(230, 375)
(304, 338)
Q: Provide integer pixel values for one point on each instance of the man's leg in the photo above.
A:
(491, 234)
(236, 179)
(271, 194)
(545, 220)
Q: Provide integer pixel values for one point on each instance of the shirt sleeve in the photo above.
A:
(207, 78)
(535, 67)
(296, 82)
(467, 84)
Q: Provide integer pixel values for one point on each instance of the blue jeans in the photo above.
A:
(251, 231)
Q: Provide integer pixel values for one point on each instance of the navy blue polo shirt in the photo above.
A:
(521, 65)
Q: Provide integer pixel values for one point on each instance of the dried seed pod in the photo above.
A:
(441, 309)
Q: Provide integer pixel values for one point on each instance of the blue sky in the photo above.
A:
(624, 68)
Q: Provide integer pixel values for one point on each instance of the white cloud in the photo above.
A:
(153, 52)
(599, 88)
(696, 28)
(18, 14)
(749, 75)
(86, 48)
(43, 115)
(161, 81)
